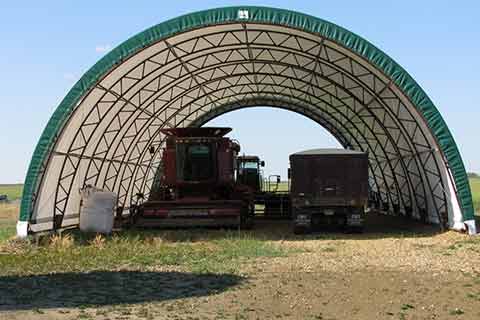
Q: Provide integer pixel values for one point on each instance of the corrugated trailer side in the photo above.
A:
(329, 186)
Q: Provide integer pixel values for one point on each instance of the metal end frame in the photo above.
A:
(190, 77)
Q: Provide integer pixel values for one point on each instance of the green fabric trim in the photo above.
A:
(262, 15)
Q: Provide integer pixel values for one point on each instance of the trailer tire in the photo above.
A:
(354, 229)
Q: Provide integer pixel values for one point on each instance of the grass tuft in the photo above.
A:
(61, 242)
(407, 306)
(456, 312)
(98, 242)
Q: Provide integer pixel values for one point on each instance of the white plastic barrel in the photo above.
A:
(97, 210)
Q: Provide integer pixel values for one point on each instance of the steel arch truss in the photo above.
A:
(112, 138)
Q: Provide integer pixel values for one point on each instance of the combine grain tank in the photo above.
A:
(197, 184)
(328, 187)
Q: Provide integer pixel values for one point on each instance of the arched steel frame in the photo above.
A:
(197, 73)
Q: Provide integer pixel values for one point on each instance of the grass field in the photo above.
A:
(13, 191)
(8, 218)
(9, 211)
(280, 187)
(475, 185)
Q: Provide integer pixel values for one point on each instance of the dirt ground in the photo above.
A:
(394, 270)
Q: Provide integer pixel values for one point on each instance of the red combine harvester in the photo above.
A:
(196, 185)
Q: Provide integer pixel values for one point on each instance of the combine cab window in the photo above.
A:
(195, 162)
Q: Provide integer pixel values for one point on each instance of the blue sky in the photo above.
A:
(48, 45)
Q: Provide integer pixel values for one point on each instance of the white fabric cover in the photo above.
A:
(96, 213)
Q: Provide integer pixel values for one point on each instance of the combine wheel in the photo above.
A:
(246, 220)
(246, 224)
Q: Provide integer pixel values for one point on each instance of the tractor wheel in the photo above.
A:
(299, 230)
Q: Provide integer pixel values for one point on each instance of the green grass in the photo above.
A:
(198, 251)
(7, 230)
(13, 191)
(9, 212)
(8, 218)
(475, 185)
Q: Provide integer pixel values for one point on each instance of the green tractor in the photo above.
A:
(249, 172)
(270, 202)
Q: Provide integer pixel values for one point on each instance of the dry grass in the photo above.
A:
(8, 218)
(475, 186)
(9, 211)
(61, 242)
(98, 242)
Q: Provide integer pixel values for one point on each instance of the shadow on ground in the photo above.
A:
(66, 290)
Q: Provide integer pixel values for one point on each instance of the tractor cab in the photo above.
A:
(249, 172)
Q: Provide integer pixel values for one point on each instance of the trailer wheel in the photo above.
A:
(354, 229)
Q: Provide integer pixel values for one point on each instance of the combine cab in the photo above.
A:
(197, 185)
